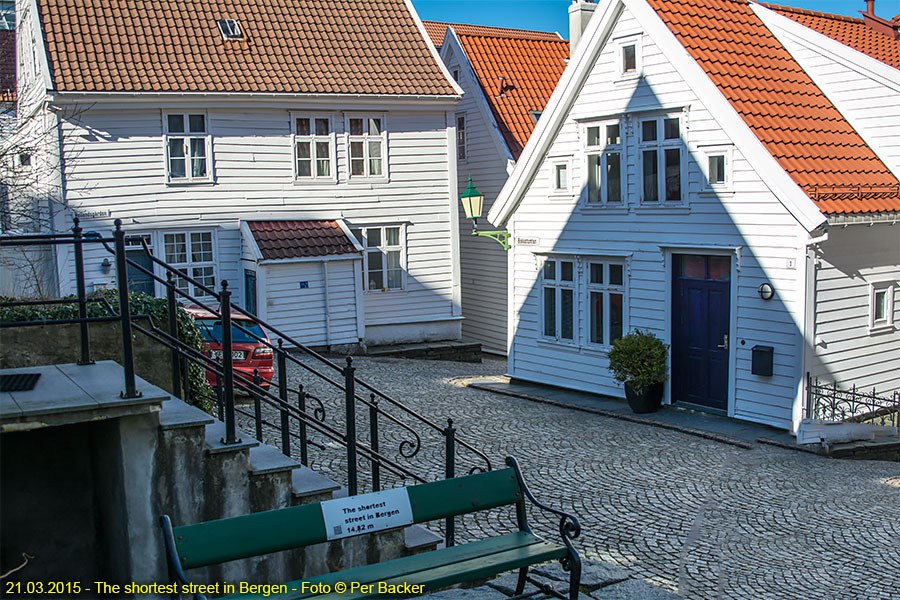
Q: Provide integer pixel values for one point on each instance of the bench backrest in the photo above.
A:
(261, 533)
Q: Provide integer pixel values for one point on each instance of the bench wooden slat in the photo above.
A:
(223, 540)
(445, 566)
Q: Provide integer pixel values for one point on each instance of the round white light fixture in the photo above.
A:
(766, 291)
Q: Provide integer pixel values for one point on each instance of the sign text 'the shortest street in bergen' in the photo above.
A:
(366, 513)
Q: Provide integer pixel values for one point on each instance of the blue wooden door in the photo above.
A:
(701, 313)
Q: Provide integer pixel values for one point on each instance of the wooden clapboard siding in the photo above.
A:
(865, 90)
(119, 165)
(749, 217)
(846, 351)
(483, 261)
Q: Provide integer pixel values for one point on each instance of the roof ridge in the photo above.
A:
(497, 29)
(812, 13)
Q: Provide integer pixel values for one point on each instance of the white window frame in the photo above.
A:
(725, 151)
(555, 164)
(313, 139)
(187, 135)
(366, 138)
(621, 43)
(462, 138)
(189, 263)
(361, 234)
(603, 150)
(556, 286)
(606, 288)
(876, 288)
(660, 145)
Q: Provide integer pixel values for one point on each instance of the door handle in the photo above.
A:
(724, 344)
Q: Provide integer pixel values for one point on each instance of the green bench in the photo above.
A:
(257, 534)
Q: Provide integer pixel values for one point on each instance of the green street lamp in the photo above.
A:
(472, 201)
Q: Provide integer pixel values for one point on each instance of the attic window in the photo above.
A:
(230, 29)
(535, 114)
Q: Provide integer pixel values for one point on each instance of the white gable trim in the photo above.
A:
(248, 235)
(451, 44)
(431, 48)
(788, 192)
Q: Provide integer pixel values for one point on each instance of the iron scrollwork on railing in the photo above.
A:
(829, 402)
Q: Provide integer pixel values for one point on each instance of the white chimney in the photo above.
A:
(580, 12)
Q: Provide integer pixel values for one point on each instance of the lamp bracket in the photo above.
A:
(501, 237)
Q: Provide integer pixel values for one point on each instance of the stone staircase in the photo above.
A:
(199, 478)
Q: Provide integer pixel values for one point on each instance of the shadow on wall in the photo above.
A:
(662, 239)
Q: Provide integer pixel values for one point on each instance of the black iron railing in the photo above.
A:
(854, 405)
(296, 410)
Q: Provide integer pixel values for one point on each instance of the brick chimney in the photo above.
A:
(870, 7)
(877, 23)
(580, 12)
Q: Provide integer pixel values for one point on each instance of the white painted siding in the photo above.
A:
(846, 351)
(119, 166)
(748, 222)
(483, 261)
(866, 91)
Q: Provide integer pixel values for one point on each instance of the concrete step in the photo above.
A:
(176, 414)
(446, 350)
(309, 486)
(215, 433)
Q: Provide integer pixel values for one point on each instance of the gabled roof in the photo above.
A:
(289, 46)
(530, 64)
(278, 240)
(778, 100)
(848, 31)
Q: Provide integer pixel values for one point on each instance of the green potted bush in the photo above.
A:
(639, 361)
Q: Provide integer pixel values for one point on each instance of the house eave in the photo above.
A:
(844, 219)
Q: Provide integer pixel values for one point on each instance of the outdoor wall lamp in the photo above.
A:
(472, 201)
(766, 291)
(105, 266)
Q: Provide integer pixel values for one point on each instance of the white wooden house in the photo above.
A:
(714, 152)
(507, 76)
(329, 122)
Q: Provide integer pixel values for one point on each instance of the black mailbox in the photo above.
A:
(763, 357)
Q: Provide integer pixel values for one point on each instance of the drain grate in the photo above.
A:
(20, 382)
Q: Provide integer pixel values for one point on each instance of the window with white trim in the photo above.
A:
(313, 148)
(461, 136)
(366, 139)
(628, 57)
(192, 253)
(558, 300)
(881, 305)
(383, 257)
(188, 147)
(716, 167)
(661, 152)
(606, 302)
(605, 163)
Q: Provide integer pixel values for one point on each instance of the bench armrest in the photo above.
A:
(569, 528)
(176, 573)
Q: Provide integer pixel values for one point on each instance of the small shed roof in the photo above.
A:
(301, 239)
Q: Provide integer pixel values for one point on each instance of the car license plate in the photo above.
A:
(235, 354)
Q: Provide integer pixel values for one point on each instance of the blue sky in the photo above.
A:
(552, 15)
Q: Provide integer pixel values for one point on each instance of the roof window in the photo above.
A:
(230, 29)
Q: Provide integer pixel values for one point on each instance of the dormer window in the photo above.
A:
(230, 29)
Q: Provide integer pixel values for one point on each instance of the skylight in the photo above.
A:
(230, 29)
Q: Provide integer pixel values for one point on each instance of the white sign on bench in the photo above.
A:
(366, 513)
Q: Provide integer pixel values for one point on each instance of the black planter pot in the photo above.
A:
(647, 402)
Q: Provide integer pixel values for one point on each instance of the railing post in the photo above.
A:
(257, 405)
(220, 403)
(449, 473)
(227, 364)
(373, 440)
(82, 295)
(304, 447)
(350, 402)
(809, 397)
(283, 394)
(124, 313)
(171, 305)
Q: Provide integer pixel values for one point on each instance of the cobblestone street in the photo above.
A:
(691, 515)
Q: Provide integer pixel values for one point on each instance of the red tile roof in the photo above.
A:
(530, 63)
(291, 46)
(789, 114)
(7, 65)
(299, 239)
(436, 31)
(848, 31)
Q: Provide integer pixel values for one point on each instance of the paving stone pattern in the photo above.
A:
(687, 514)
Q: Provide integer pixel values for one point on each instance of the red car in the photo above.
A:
(247, 352)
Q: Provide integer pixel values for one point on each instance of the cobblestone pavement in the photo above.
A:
(691, 515)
